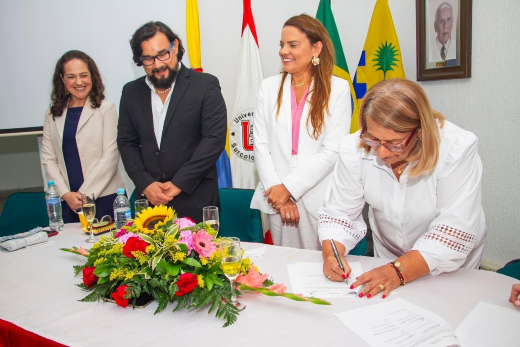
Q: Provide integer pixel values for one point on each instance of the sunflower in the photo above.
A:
(151, 218)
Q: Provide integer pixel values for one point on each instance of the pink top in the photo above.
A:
(297, 111)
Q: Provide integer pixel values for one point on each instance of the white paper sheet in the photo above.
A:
(257, 252)
(308, 279)
(490, 325)
(398, 323)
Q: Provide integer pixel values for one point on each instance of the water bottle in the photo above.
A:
(52, 197)
(122, 211)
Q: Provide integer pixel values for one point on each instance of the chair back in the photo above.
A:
(132, 202)
(237, 218)
(22, 212)
(511, 269)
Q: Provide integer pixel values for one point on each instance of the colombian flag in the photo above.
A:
(326, 17)
(193, 41)
(381, 57)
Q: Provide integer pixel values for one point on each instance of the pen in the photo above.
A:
(336, 254)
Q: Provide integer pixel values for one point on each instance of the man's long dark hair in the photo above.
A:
(59, 98)
(148, 31)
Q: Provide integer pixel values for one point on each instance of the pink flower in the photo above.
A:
(253, 279)
(187, 239)
(129, 224)
(203, 244)
(82, 251)
(278, 288)
(125, 237)
(184, 222)
(120, 233)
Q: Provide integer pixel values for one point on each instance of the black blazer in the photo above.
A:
(194, 136)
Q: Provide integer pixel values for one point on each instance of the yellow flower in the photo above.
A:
(159, 236)
(179, 256)
(129, 275)
(117, 274)
(203, 261)
(169, 240)
(99, 261)
(245, 265)
(150, 249)
(149, 218)
(200, 279)
(140, 257)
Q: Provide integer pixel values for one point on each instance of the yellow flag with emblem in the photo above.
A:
(381, 57)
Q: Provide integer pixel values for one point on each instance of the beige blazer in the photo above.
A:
(96, 139)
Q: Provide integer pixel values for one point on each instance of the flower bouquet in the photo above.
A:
(172, 260)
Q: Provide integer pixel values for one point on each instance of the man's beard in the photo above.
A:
(163, 82)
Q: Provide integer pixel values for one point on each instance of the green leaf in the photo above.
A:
(78, 269)
(182, 247)
(103, 270)
(192, 262)
(214, 268)
(156, 260)
(209, 282)
(172, 269)
(146, 238)
(102, 280)
(161, 267)
(172, 231)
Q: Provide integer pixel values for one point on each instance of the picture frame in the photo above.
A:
(443, 37)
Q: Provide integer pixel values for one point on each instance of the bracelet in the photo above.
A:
(397, 267)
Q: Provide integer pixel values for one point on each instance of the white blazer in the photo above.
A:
(308, 179)
(96, 140)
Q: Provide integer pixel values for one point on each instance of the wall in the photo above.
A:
(486, 104)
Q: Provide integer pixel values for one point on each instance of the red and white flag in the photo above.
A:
(240, 122)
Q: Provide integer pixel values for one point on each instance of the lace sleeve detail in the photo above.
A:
(329, 222)
(452, 238)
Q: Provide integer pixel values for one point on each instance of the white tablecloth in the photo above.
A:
(37, 293)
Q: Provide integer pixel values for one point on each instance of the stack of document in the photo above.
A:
(308, 279)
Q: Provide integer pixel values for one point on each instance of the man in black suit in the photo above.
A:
(172, 125)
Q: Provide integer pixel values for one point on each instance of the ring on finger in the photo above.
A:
(328, 277)
(381, 286)
(287, 216)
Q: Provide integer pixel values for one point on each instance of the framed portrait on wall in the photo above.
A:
(443, 39)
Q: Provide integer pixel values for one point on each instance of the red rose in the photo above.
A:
(186, 283)
(88, 276)
(119, 296)
(134, 244)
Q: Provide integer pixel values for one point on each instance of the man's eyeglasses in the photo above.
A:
(163, 56)
(396, 148)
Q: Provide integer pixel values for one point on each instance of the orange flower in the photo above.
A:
(253, 279)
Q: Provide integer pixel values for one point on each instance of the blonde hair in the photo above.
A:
(402, 106)
(322, 73)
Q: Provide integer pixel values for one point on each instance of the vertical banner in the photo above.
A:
(240, 122)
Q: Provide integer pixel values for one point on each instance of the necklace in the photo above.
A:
(400, 168)
(164, 91)
(301, 84)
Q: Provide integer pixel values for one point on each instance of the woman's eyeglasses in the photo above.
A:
(396, 148)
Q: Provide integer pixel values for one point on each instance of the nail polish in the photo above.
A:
(352, 287)
(369, 296)
(384, 296)
(343, 276)
(348, 275)
(361, 295)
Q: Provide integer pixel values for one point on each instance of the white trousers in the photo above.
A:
(304, 236)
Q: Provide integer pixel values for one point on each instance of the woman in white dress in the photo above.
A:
(300, 118)
(421, 176)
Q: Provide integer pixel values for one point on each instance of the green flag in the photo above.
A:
(325, 16)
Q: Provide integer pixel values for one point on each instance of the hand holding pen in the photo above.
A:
(335, 268)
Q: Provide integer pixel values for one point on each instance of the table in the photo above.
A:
(37, 293)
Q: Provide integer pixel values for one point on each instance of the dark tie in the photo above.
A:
(443, 53)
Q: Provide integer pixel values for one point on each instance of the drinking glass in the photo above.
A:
(210, 216)
(89, 211)
(230, 263)
(140, 206)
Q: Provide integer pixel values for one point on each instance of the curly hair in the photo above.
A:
(59, 99)
(146, 32)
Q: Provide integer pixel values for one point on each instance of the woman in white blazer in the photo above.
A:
(79, 137)
(300, 118)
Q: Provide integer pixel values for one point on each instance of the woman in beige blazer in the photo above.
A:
(79, 137)
(300, 118)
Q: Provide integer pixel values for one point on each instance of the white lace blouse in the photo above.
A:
(438, 214)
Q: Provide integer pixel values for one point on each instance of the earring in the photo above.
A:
(66, 91)
(315, 61)
(418, 139)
